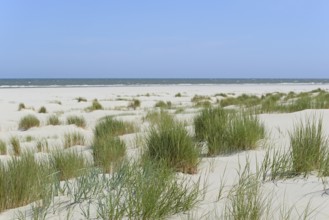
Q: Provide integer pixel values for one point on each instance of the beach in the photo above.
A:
(293, 197)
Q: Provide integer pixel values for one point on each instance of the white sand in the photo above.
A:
(294, 193)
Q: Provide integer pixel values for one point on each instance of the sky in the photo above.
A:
(164, 39)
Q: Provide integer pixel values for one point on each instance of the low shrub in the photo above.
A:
(28, 121)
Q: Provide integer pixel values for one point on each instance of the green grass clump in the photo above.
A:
(147, 191)
(169, 141)
(79, 121)
(178, 95)
(108, 149)
(135, 103)
(227, 132)
(110, 126)
(81, 99)
(200, 98)
(95, 105)
(16, 145)
(74, 138)
(42, 110)
(22, 181)
(28, 121)
(3, 148)
(162, 104)
(308, 146)
(68, 164)
(53, 120)
(21, 106)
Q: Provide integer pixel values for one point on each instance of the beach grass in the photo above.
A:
(42, 109)
(79, 121)
(28, 122)
(165, 194)
(21, 106)
(73, 138)
(169, 141)
(228, 132)
(163, 105)
(68, 164)
(3, 147)
(81, 99)
(111, 126)
(16, 145)
(95, 105)
(53, 120)
(22, 181)
(134, 104)
(308, 145)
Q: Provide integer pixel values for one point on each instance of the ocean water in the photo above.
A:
(17, 83)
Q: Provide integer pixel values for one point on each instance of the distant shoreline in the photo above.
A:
(102, 82)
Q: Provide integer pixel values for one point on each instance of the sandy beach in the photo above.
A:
(289, 196)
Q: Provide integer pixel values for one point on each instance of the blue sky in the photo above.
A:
(165, 38)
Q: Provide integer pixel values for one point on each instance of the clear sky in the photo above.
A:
(164, 38)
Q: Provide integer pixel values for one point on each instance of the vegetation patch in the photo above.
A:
(3, 148)
(134, 104)
(81, 99)
(16, 145)
(28, 121)
(68, 164)
(74, 138)
(95, 105)
(53, 120)
(110, 126)
(168, 141)
(162, 104)
(227, 132)
(79, 121)
(42, 110)
(22, 181)
(21, 106)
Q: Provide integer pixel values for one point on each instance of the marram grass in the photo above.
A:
(28, 121)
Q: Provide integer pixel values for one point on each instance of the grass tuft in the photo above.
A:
(168, 141)
(162, 104)
(227, 132)
(3, 148)
(53, 120)
(134, 104)
(74, 138)
(95, 105)
(110, 126)
(42, 110)
(81, 99)
(79, 121)
(21, 106)
(22, 181)
(28, 121)
(68, 164)
(308, 146)
(16, 145)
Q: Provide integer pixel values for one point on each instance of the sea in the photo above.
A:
(106, 82)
